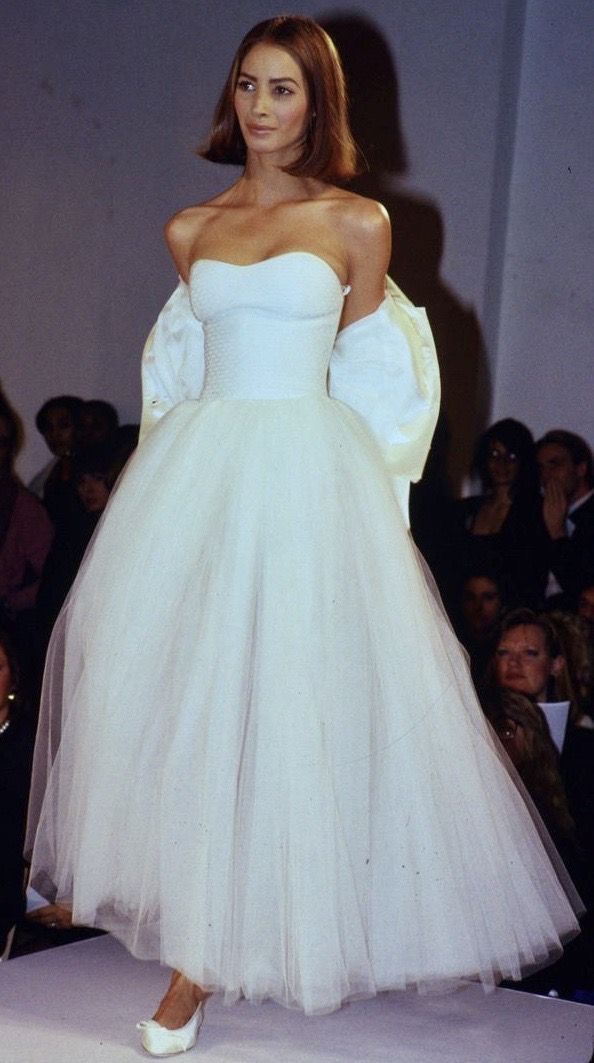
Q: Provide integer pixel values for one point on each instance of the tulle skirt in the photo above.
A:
(273, 772)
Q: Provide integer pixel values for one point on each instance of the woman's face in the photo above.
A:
(59, 430)
(502, 464)
(481, 605)
(523, 662)
(93, 491)
(5, 678)
(271, 102)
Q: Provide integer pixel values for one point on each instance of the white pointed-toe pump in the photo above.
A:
(157, 1040)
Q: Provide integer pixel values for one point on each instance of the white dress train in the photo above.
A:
(262, 757)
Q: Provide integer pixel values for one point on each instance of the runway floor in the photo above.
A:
(80, 1003)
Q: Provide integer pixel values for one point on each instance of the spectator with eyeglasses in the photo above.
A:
(503, 525)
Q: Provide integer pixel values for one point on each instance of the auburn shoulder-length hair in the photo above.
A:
(329, 151)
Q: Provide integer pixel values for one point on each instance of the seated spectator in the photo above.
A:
(585, 611)
(16, 748)
(567, 478)
(97, 424)
(528, 660)
(481, 600)
(575, 680)
(26, 535)
(57, 423)
(585, 605)
(523, 731)
(503, 526)
(93, 478)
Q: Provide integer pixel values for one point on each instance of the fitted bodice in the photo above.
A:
(269, 327)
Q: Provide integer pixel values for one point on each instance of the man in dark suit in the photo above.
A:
(567, 478)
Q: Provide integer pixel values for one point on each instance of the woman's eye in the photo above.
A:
(283, 90)
(244, 85)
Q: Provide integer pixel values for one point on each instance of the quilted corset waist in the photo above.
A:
(257, 356)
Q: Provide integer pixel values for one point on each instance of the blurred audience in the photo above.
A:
(574, 681)
(482, 598)
(57, 422)
(567, 478)
(585, 606)
(97, 424)
(524, 733)
(529, 660)
(93, 476)
(503, 526)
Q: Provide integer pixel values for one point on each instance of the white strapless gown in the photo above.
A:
(273, 773)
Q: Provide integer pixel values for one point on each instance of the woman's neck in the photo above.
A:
(265, 184)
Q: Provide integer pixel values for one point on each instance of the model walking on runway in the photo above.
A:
(272, 772)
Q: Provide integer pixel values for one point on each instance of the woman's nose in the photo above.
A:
(259, 102)
(514, 660)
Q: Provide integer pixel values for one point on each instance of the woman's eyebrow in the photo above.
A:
(273, 81)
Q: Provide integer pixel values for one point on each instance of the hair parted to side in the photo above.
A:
(517, 438)
(525, 617)
(577, 448)
(329, 151)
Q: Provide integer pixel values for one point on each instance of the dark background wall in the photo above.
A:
(475, 117)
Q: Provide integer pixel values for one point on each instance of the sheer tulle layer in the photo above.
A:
(273, 772)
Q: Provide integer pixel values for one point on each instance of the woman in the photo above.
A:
(92, 480)
(58, 423)
(524, 733)
(265, 771)
(503, 525)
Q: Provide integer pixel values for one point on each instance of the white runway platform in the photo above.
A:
(79, 1004)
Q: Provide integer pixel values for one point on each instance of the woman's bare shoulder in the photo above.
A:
(183, 230)
(362, 217)
(184, 226)
(362, 222)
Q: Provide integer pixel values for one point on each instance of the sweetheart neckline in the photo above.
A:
(345, 288)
